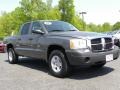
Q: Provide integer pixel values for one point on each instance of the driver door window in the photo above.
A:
(35, 39)
(36, 26)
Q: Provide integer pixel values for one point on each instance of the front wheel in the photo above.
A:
(58, 64)
(12, 56)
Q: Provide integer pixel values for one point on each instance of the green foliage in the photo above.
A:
(92, 27)
(106, 27)
(99, 28)
(29, 10)
(5, 24)
(77, 22)
(34, 9)
(66, 8)
(39, 10)
(116, 26)
(53, 14)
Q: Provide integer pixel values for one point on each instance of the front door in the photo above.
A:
(36, 41)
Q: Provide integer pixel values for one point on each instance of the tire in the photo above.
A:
(98, 65)
(12, 56)
(58, 64)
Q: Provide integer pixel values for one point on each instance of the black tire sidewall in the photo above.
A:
(14, 56)
(65, 67)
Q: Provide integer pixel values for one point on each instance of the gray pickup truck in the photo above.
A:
(61, 45)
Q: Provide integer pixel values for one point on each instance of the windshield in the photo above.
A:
(58, 26)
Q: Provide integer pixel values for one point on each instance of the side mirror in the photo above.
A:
(38, 32)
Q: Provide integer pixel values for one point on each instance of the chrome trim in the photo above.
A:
(103, 43)
(89, 44)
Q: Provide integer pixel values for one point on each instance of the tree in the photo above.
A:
(18, 18)
(34, 9)
(5, 24)
(39, 10)
(66, 8)
(116, 26)
(53, 14)
(77, 22)
(92, 28)
(106, 27)
(99, 28)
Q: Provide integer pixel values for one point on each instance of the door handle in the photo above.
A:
(19, 39)
(30, 39)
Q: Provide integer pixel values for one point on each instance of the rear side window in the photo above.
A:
(25, 29)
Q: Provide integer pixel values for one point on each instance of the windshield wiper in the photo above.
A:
(61, 30)
(71, 30)
(56, 31)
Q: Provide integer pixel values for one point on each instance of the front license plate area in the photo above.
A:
(109, 57)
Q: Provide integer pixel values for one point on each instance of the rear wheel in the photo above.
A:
(58, 64)
(12, 56)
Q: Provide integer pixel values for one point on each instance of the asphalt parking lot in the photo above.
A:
(31, 74)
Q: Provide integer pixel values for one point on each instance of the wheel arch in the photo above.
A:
(56, 47)
(9, 46)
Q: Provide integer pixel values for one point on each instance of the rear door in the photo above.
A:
(23, 41)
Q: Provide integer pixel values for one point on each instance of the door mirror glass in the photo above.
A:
(38, 31)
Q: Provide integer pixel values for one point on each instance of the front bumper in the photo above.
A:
(80, 58)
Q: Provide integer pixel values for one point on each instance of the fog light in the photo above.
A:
(86, 50)
(87, 59)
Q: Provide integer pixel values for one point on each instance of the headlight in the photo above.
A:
(78, 43)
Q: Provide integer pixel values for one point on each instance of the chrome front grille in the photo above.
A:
(101, 44)
(95, 41)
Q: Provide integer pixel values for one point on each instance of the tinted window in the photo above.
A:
(25, 29)
(58, 26)
(36, 26)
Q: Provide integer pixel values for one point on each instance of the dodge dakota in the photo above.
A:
(61, 45)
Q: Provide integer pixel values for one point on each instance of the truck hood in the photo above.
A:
(79, 34)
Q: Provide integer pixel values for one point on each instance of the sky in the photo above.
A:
(98, 11)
